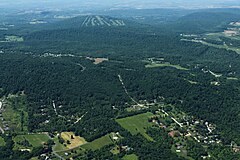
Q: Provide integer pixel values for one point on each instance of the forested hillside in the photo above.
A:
(103, 87)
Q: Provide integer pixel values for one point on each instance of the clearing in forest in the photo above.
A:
(155, 65)
(97, 60)
(35, 140)
(130, 157)
(13, 39)
(2, 142)
(74, 141)
(137, 124)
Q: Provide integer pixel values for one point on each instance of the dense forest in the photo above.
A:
(54, 65)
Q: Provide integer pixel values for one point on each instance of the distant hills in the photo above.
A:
(203, 22)
(102, 21)
(91, 21)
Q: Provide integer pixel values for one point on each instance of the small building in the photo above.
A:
(173, 134)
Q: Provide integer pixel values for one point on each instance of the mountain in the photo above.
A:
(203, 22)
(91, 21)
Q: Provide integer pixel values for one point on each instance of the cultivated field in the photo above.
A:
(75, 141)
(137, 124)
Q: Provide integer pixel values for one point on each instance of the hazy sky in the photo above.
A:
(118, 3)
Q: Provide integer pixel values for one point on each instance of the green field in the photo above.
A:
(155, 65)
(35, 140)
(130, 157)
(58, 146)
(137, 124)
(98, 143)
(94, 145)
(2, 142)
(15, 113)
(13, 39)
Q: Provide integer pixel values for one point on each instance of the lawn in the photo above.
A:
(75, 142)
(130, 157)
(2, 142)
(155, 65)
(137, 124)
(98, 143)
(35, 140)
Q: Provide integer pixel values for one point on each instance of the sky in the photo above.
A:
(87, 4)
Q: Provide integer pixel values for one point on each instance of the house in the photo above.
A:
(173, 134)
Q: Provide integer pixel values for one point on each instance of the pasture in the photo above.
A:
(137, 124)
(98, 143)
(35, 140)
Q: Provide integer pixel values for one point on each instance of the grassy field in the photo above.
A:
(35, 140)
(137, 124)
(75, 142)
(155, 65)
(130, 157)
(2, 142)
(94, 145)
(98, 143)
(58, 146)
(72, 153)
(15, 113)
(115, 150)
(13, 39)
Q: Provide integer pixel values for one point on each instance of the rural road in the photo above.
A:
(1, 104)
(1, 130)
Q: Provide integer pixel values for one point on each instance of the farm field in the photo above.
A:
(2, 142)
(137, 124)
(98, 143)
(94, 145)
(155, 65)
(130, 157)
(35, 140)
(75, 142)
